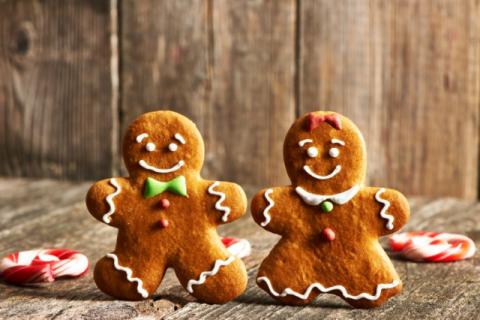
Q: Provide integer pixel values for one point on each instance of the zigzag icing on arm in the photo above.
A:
(271, 203)
(321, 288)
(106, 217)
(218, 204)
(203, 276)
(383, 212)
(128, 271)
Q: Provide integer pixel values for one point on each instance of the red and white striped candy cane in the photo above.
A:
(432, 246)
(240, 248)
(41, 266)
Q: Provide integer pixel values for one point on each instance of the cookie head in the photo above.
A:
(325, 152)
(163, 144)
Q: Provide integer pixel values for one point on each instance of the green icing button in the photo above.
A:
(326, 206)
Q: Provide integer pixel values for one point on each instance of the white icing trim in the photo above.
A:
(180, 138)
(319, 286)
(338, 141)
(106, 217)
(140, 137)
(301, 143)
(203, 276)
(338, 198)
(145, 165)
(310, 172)
(271, 203)
(383, 212)
(128, 271)
(218, 204)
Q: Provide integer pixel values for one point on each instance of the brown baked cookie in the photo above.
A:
(329, 221)
(167, 215)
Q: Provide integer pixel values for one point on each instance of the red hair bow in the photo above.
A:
(315, 120)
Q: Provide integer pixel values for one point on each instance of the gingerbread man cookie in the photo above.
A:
(167, 215)
(329, 221)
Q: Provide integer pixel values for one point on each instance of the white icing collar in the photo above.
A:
(339, 198)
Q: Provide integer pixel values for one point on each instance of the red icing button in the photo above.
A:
(164, 223)
(328, 234)
(165, 203)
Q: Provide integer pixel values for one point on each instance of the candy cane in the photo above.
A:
(432, 246)
(41, 266)
(240, 248)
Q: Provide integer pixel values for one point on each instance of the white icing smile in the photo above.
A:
(146, 166)
(150, 147)
(312, 152)
(332, 174)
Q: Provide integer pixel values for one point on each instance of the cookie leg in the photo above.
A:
(287, 276)
(212, 277)
(125, 277)
(367, 304)
(279, 285)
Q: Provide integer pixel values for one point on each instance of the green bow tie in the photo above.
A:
(154, 187)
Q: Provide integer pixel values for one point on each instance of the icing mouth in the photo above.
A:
(146, 166)
(310, 172)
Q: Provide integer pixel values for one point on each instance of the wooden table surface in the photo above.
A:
(46, 213)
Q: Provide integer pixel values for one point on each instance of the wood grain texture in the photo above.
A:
(228, 65)
(165, 52)
(56, 107)
(407, 73)
(252, 101)
(431, 291)
(73, 76)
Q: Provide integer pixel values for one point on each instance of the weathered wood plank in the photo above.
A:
(57, 106)
(228, 65)
(28, 199)
(407, 73)
(252, 100)
(68, 224)
(164, 50)
(432, 291)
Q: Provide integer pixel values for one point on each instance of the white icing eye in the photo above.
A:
(312, 152)
(172, 147)
(334, 152)
(150, 147)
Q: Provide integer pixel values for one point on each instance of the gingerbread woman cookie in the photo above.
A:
(167, 215)
(329, 221)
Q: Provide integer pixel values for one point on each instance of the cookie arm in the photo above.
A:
(393, 212)
(268, 210)
(229, 200)
(101, 198)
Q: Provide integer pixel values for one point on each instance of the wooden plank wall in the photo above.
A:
(57, 112)
(74, 74)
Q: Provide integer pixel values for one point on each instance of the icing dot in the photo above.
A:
(326, 206)
(150, 147)
(334, 152)
(172, 147)
(328, 234)
(165, 203)
(312, 152)
(164, 223)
